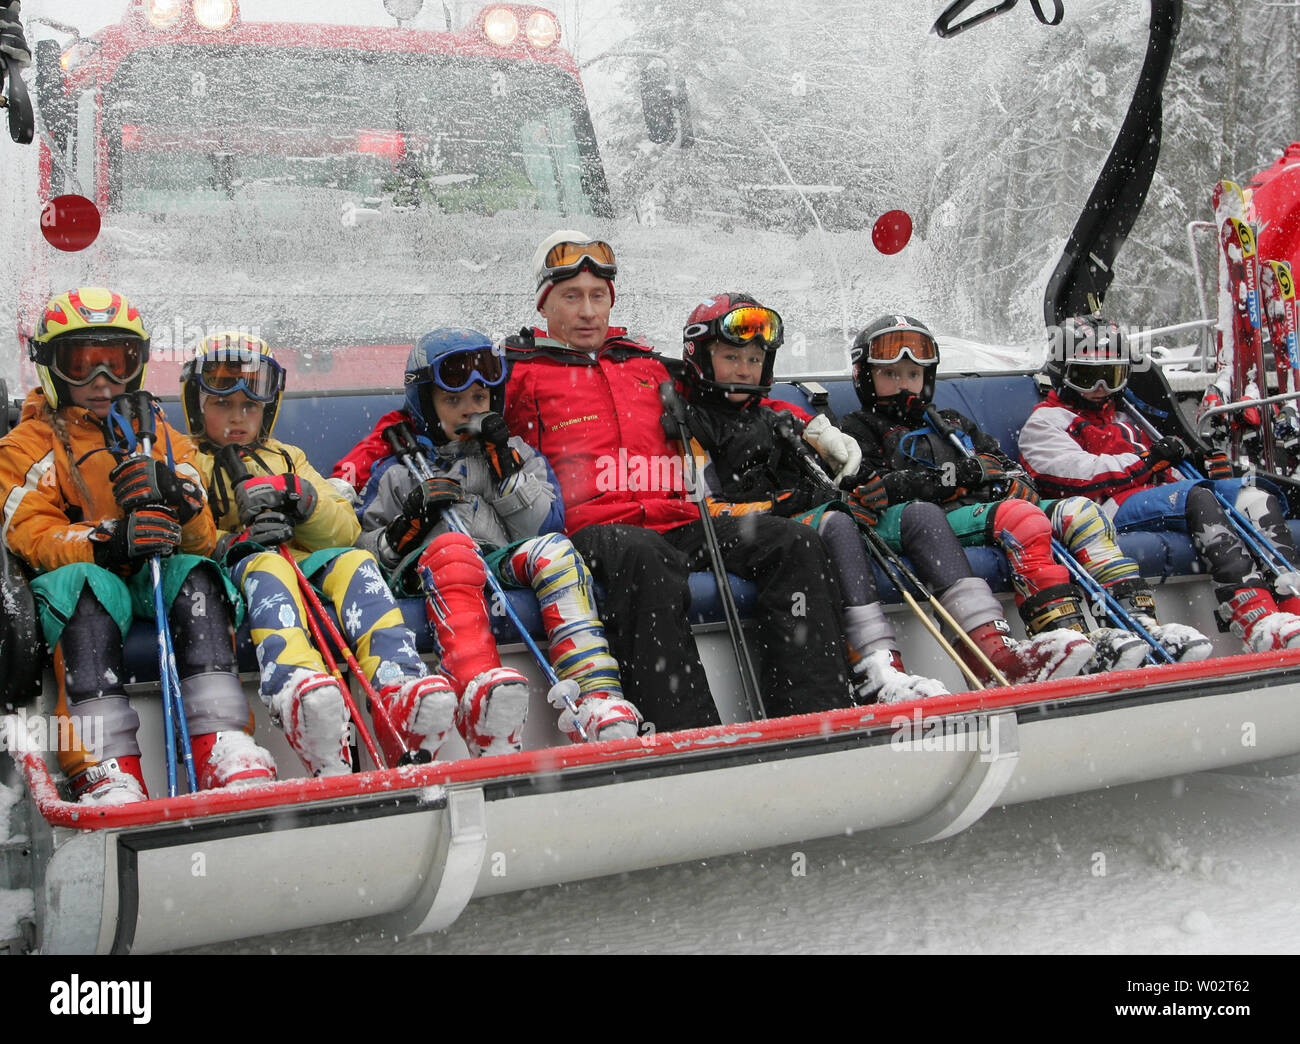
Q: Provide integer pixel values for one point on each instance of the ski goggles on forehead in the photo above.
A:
(228, 370)
(1086, 377)
(457, 371)
(892, 345)
(740, 326)
(565, 259)
(81, 362)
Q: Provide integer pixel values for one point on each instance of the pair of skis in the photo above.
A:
(1256, 299)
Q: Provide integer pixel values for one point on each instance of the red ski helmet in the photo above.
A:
(731, 318)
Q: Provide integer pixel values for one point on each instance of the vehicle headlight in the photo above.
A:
(214, 14)
(541, 29)
(501, 26)
(163, 14)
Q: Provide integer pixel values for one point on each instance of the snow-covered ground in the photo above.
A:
(1204, 864)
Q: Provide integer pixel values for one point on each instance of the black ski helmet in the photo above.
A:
(887, 339)
(1086, 351)
(434, 362)
(732, 318)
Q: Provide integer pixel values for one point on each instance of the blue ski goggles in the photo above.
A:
(456, 371)
(228, 370)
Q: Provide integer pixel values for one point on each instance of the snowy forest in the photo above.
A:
(990, 140)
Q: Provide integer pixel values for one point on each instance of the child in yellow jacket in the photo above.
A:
(231, 395)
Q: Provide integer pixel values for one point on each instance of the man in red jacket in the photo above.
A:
(587, 397)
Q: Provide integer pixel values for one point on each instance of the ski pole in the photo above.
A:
(125, 414)
(675, 410)
(1263, 548)
(402, 439)
(317, 618)
(1108, 602)
(894, 567)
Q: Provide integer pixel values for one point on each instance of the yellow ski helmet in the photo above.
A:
(228, 362)
(85, 332)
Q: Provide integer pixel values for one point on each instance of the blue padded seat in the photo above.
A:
(328, 426)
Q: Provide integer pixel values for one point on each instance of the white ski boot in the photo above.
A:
(1184, 644)
(602, 715)
(1116, 650)
(311, 710)
(492, 712)
(422, 709)
(879, 677)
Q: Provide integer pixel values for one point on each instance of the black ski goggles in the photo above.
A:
(1087, 377)
(740, 326)
(456, 371)
(225, 371)
(892, 345)
(568, 259)
(80, 362)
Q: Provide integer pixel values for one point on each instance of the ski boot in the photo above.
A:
(602, 715)
(423, 710)
(1253, 616)
(311, 710)
(879, 677)
(1058, 608)
(1183, 644)
(1052, 654)
(230, 759)
(492, 712)
(117, 781)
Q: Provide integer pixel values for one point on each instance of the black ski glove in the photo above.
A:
(421, 511)
(123, 541)
(1217, 466)
(287, 495)
(269, 529)
(869, 500)
(140, 482)
(491, 430)
(12, 42)
(790, 502)
(1167, 452)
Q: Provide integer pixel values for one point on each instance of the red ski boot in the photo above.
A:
(230, 759)
(493, 699)
(423, 710)
(1052, 654)
(1254, 617)
(117, 781)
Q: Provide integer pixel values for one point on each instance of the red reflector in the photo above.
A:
(382, 143)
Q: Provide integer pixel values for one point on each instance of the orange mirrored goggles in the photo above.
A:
(228, 370)
(894, 344)
(80, 362)
(566, 259)
(742, 325)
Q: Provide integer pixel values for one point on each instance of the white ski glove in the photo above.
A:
(833, 446)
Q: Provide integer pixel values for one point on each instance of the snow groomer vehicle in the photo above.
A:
(340, 190)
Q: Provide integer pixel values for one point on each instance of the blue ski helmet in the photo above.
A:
(451, 358)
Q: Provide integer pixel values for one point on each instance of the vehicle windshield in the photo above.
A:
(277, 123)
(340, 199)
